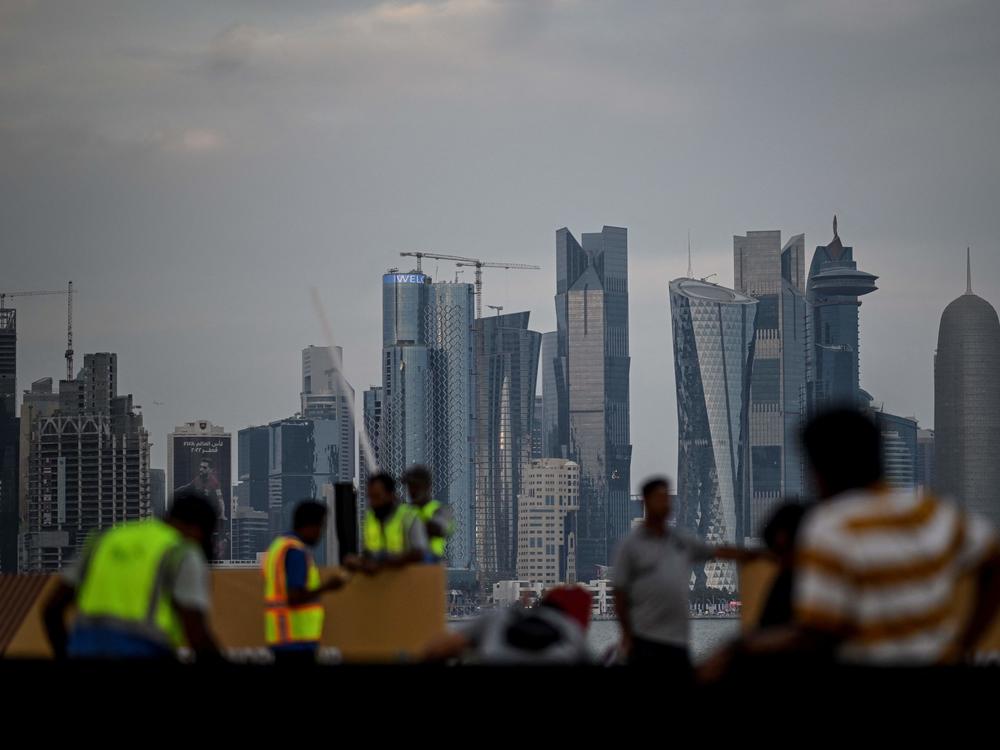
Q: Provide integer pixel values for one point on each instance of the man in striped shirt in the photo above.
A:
(877, 570)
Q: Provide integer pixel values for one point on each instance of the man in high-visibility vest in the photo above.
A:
(141, 589)
(394, 534)
(435, 514)
(293, 616)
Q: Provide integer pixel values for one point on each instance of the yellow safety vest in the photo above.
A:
(123, 582)
(283, 623)
(427, 511)
(389, 537)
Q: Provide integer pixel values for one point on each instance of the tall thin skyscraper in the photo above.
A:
(87, 467)
(9, 442)
(774, 275)
(428, 396)
(835, 286)
(967, 404)
(553, 396)
(713, 332)
(507, 372)
(591, 373)
(371, 415)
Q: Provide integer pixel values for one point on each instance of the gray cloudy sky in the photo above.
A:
(194, 167)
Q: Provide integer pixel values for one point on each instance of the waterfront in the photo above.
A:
(707, 635)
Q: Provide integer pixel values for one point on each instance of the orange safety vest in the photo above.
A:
(285, 624)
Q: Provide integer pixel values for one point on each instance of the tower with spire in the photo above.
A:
(834, 290)
(967, 402)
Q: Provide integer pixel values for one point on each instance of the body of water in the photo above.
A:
(707, 635)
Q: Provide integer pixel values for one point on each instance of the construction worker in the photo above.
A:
(435, 514)
(394, 534)
(293, 619)
(141, 589)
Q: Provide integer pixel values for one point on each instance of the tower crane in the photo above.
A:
(476, 263)
(68, 291)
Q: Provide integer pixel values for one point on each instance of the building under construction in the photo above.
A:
(85, 464)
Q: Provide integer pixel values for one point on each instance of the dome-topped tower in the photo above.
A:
(967, 403)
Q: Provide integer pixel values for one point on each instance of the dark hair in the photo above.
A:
(386, 480)
(845, 449)
(785, 519)
(193, 507)
(206, 460)
(419, 474)
(651, 485)
(309, 513)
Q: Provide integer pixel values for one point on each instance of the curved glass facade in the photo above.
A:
(713, 332)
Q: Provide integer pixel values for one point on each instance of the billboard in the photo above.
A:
(203, 463)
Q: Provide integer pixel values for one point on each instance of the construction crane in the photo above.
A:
(476, 263)
(498, 308)
(69, 317)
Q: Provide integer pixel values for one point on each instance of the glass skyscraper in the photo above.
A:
(9, 442)
(835, 284)
(774, 275)
(427, 397)
(967, 404)
(713, 331)
(590, 373)
(507, 373)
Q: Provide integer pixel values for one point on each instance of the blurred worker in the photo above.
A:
(393, 532)
(554, 632)
(293, 620)
(435, 515)
(651, 579)
(141, 589)
(877, 570)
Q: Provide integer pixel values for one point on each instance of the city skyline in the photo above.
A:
(193, 222)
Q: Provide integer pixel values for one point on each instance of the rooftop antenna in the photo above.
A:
(690, 272)
(968, 270)
(69, 332)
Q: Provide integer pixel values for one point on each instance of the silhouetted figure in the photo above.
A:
(779, 536)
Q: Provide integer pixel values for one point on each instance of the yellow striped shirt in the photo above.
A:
(882, 570)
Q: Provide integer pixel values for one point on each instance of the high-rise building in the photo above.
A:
(925, 459)
(9, 442)
(372, 418)
(591, 382)
(546, 521)
(773, 274)
(553, 396)
(967, 404)
(835, 286)
(899, 449)
(158, 492)
(251, 533)
(428, 396)
(507, 373)
(713, 333)
(252, 467)
(87, 466)
(320, 390)
(450, 334)
(538, 430)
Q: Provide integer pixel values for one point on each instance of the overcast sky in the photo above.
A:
(194, 167)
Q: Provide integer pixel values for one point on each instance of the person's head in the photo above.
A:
(656, 499)
(205, 467)
(418, 483)
(845, 451)
(192, 514)
(573, 601)
(381, 493)
(308, 521)
(781, 529)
